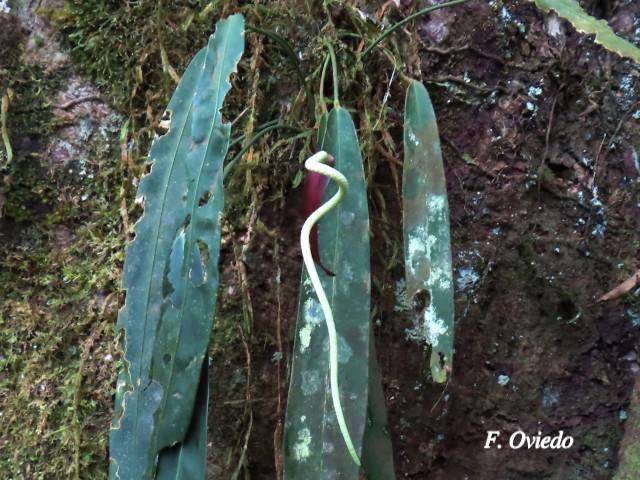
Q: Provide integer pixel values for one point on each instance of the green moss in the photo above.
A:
(128, 37)
(59, 268)
(30, 118)
(58, 283)
(58, 306)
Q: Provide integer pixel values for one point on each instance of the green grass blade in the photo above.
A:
(314, 447)
(171, 267)
(187, 460)
(584, 23)
(427, 242)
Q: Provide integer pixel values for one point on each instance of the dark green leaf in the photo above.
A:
(377, 452)
(187, 460)
(314, 447)
(171, 267)
(427, 242)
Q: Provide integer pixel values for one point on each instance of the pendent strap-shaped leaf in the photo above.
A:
(377, 451)
(314, 444)
(427, 242)
(320, 164)
(187, 460)
(171, 267)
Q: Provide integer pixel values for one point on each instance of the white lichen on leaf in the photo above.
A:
(302, 447)
(417, 242)
(310, 382)
(312, 315)
(434, 326)
(413, 139)
(436, 204)
(305, 337)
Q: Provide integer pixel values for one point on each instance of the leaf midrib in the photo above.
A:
(154, 257)
(194, 201)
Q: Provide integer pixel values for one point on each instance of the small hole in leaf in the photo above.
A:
(443, 358)
(137, 209)
(165, 123)
(204, 199)
(421, 300)
(204, 252)
(166, 358)
(198, 272)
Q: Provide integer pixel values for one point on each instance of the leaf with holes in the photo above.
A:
(171, 266)
(427, 242)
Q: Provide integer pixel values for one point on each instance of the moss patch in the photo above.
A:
(60, 258)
